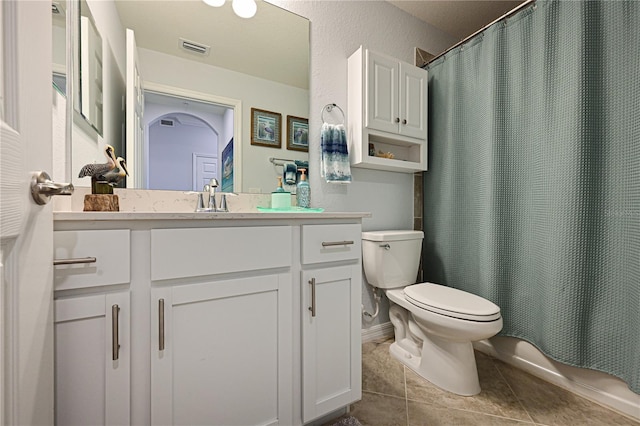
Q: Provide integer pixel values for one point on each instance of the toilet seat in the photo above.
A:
(451, 302)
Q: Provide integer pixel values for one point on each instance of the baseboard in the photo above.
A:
(596, 386)
(378, 331)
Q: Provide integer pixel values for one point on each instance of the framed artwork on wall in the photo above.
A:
(266, 128)
(227, 167)
(297, 133)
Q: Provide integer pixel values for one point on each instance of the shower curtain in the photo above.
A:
(532, 197)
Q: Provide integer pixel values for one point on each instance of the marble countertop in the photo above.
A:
(154, 215)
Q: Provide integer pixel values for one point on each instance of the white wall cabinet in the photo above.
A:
(92, 359)
(387, 104)
(213, 322)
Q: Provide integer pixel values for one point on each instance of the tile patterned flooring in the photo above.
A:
(395, 395)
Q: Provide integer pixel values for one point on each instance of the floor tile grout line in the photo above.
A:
(406, 394)
(512, 391)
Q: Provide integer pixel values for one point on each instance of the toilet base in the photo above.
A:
(448, 365)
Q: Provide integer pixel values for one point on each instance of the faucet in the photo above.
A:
(210, 188)
(213, 184)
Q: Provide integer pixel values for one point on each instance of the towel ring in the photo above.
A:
(329, 108)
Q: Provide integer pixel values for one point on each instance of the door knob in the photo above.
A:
(42, 188)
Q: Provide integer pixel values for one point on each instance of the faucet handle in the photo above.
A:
(200, 205)
(223, 204)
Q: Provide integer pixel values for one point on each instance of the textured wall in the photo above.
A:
(338, 28)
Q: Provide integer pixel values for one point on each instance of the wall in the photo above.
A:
(252, 91)
(337, 30)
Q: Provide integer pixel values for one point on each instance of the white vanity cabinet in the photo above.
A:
(221, 326)
(92, 328)
(330, 309)
(387, 104)
(214, 320)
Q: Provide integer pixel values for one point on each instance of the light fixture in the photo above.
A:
(245, 8)
(214, 3)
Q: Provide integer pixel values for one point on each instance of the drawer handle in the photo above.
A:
(161, 324)
(115, 336)
(336, 243)
(74, 261)
(312, 308)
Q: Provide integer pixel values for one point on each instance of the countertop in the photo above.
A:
(152, 215)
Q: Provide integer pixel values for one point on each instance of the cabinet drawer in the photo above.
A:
(110, 248)
(181, 253)
(330, 243)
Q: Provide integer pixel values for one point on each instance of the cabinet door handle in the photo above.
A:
(161, 324)
(336, 243)
(115, 335)
(397, 119)
(312, 308)
(74, 261)
(404, 121)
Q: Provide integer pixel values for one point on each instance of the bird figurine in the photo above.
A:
(94, 170)
(114, 176)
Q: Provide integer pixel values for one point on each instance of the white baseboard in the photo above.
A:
(596, 386)
(378, 331)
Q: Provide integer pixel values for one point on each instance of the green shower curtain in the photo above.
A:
(532, 197)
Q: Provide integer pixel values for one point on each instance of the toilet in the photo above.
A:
(434, 324)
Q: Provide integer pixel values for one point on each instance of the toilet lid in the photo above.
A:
(451, 302)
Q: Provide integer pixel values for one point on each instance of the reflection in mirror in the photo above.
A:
(89, 94)
(262, 62)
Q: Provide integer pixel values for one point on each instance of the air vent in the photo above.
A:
(166, 122)
(193, 47)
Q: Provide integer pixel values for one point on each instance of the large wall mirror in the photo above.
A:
(202, 71)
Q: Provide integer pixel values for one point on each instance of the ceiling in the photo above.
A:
(458, 18)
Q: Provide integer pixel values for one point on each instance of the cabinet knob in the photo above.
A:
(404, 121)
(397, 119)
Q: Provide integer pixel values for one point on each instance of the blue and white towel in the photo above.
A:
(335, 167)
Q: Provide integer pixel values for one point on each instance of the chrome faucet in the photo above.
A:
(210, 189)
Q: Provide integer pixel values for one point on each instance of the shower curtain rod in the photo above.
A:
(466, 39)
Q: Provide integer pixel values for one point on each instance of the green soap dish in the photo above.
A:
(292, 209)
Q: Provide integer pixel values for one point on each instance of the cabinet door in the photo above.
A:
(382, 93)
(413, 101)
(92, 360)
(222, 352)
(331, 339)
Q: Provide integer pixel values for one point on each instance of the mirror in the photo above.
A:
(88, 73)
(262, 62)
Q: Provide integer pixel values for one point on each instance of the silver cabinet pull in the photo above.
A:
(336, 243)
(74, 261)
(161, 324)
(115, 336)
(42, 188)
(312, 308)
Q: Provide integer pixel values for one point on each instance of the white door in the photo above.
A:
(382, 93)
(413, 101)
(205, 167)
(26, 233)
(135, 112)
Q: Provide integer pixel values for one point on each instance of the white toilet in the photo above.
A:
(434, 324)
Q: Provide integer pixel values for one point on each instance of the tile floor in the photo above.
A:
(394, 395)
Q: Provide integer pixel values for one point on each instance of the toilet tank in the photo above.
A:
(391, 258)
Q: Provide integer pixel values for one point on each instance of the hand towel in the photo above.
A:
(290, 172)
(335, 167)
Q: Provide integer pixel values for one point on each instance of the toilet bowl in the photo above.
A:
(434, 325)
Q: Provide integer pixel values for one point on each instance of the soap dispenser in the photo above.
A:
(280, 199)
(303, 191)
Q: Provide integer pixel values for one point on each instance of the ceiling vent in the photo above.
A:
(166, 122)
(193, 47)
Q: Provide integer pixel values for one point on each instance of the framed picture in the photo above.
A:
(266, 128)
(297, 133)
(227, 167)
